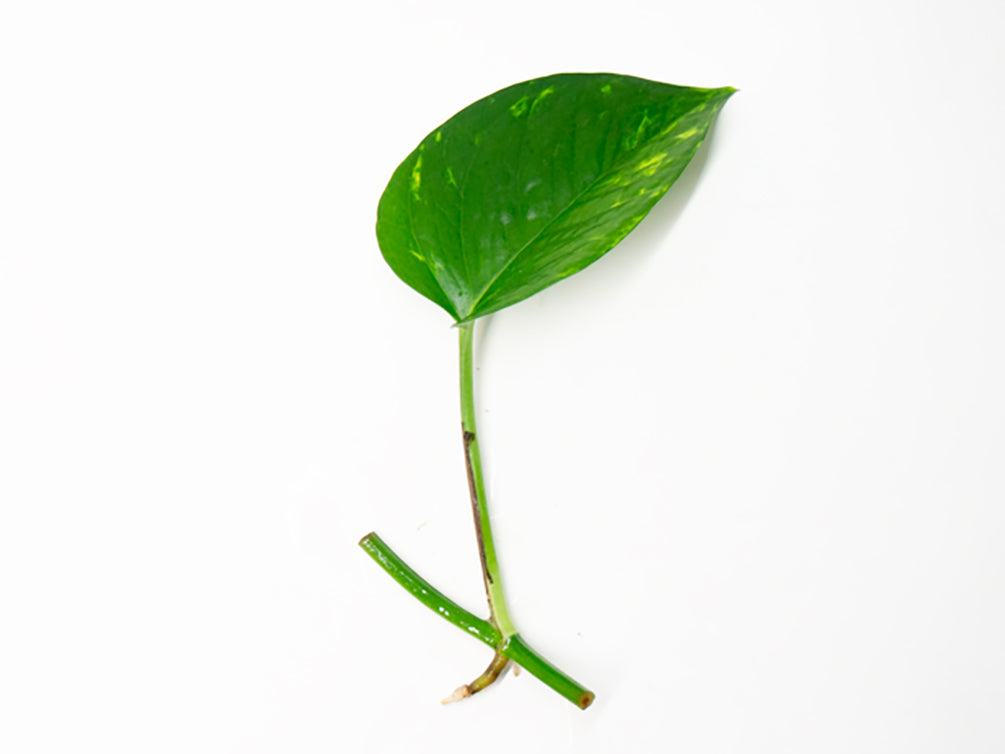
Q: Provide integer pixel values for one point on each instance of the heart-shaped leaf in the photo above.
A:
(535, 182)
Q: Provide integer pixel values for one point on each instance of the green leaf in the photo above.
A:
(535, 182)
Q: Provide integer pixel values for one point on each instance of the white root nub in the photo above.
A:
(461, 692)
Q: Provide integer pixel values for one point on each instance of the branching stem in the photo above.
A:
(512, 648)
(498, 631)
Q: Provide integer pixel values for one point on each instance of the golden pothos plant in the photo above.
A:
(512, 194)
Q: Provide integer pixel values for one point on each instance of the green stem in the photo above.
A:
(426, 593)
(498, 632)
(498, 612)
(520, 653)
(508, 648)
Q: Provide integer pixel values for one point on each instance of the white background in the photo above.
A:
(746, 469)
